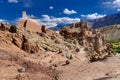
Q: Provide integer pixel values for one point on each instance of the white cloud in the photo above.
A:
(69, 12)
(118, 10)
(4, 21)
(51, 21)
(51, 7)
(93, 16)
(113, 3)
(13, 1)
(116, 3)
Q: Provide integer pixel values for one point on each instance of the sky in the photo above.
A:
(54, 12)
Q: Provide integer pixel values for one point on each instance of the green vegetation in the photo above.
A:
(115, 45)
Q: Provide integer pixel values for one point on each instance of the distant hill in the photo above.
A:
(98, 23)
(111, 32)
(106, 21)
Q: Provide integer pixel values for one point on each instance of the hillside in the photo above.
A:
(76, 52)
(106, 21)
(111, 32)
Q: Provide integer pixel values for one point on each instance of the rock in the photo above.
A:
(13, 29)
(72, 26)
(91, 39)
(43, 28)
(21, 69)
(17, 40)
(67, 62)
(29, 46)
(4, 27)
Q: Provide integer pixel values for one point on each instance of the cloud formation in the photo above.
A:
(107, 3)
(116, 3)
(113, 4)
(93, 16)
(13, 1)
(51, 7)
(69, 12)
(25, 3)
(118, 10)
(51, 21)
(3, 21)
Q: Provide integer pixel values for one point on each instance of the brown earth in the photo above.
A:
(77, 53)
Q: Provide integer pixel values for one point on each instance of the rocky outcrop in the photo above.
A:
(23, 43)
(13, 29)
(4, 27)
(92, 40)
(29, 46)
(78, 38)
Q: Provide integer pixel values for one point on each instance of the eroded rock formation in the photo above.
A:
(92, 40)
(70, 40)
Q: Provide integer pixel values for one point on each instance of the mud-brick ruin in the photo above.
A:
(30, 23)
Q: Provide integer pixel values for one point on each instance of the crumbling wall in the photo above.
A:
(30, 25)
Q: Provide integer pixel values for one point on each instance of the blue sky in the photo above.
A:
(54, 12)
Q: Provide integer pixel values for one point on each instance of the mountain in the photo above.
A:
(106, 21)
(97, 23)
(111, 32)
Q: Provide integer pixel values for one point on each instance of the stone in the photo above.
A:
(21, 69)
(30, 47)
(73, 25)
(67, 62)
(4, 27)
(43, 28)
(13, 29)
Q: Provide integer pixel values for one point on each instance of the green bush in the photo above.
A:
(115, 45)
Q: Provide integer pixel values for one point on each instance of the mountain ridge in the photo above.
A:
(111, 19)
(105, 21)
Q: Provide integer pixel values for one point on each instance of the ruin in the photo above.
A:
(29, 23)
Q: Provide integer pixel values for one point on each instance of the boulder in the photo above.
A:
(4, 27)
(28, 46)
(13, 29)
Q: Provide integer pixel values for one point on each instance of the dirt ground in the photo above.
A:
(16, 66)
(109, 69)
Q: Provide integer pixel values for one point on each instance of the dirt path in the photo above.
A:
(108, 69)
